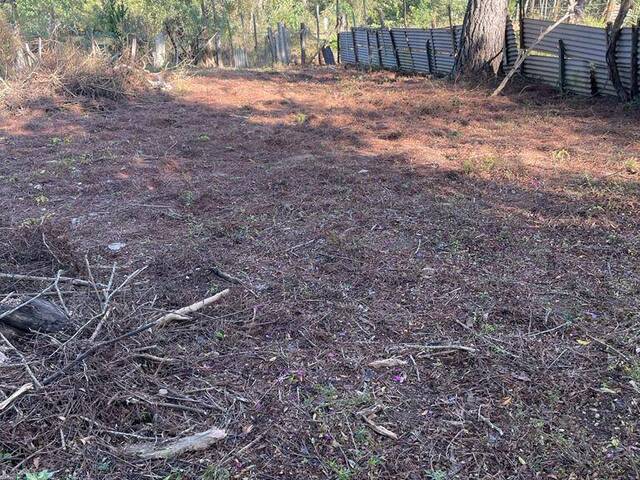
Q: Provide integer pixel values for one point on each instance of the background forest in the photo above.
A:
(145, 18)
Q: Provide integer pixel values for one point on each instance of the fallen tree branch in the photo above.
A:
(181, 314)
(176, 315)
(445, 348)
(15, 395)
(367, 416)
(72, 281)
(173, 448)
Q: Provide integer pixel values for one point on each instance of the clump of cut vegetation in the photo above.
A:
(66, 69)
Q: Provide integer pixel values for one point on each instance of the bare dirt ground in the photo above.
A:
(367, 217)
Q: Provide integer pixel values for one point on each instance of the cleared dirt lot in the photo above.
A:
(367, 217)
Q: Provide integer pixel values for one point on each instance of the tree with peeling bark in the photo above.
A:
(482, 39)
(612, 45)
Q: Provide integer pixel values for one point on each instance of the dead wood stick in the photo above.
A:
(385, 432)
(182, 313)
(437, 347)
(72, 281)
(178, 314)
(15, 395)
(525, 53)
(192, 443)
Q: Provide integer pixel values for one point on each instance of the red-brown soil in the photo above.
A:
(367, 216)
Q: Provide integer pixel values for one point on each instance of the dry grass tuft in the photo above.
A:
(67, 70)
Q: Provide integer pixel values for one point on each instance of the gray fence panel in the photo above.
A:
(580, 41)
(388, 55)
(418, 42)
(403, 49)
(542, 68)
(347, 54)
(585, 56)
(374, 50)
(362, 44)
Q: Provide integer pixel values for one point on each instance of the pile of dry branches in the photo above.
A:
(100, 375)
(65, 69)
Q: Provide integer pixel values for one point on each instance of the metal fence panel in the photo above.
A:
(418, 43)
(374, 48)
(362, 45)
(388, 55)
(403, 49)
(511, 46)
(434, 51)
(347, 54)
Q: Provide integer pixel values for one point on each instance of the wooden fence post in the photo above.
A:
(593, 82)
(368, 48)
(406, 37)
(379, 49)
(634, 61)
(521, 32)
(318, 36)
(395, 50)
(561, 65)
(134, 48)
(338, 28)
(355, 45)
(429, 60)
(271, 42)
(303, 43)
(521, 23)
(435, 54)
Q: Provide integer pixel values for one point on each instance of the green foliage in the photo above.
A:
(41, 475)
(114, 16)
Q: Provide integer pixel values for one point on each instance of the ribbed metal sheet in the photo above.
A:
(374, 48)
(434, 50)
(585, 56)
(346, 48)
(362, 44)
(418, 43)
(403, 50)
(580, 41)
(388, 55)
(511, 46)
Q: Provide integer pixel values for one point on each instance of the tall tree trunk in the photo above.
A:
(612, 43)
(483, 37)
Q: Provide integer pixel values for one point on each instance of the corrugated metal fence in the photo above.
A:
(571, 57)
(427, 51)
